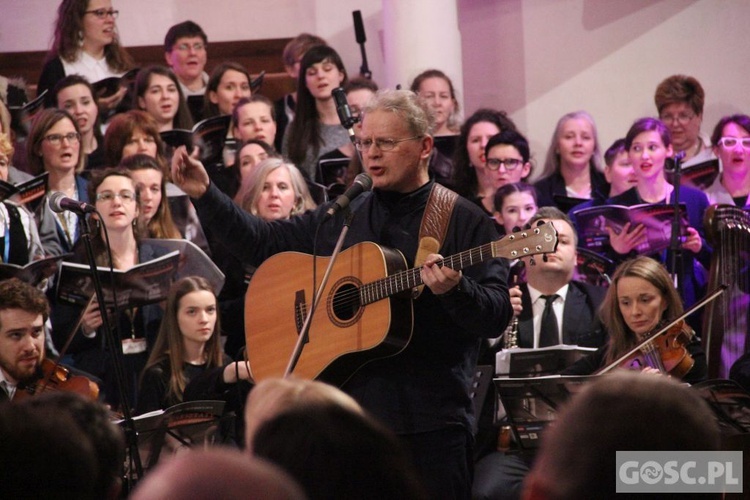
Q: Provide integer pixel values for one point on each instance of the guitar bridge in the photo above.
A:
(300, 310)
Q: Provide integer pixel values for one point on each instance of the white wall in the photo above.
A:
(537, 59)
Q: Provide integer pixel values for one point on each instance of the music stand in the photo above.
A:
(185, 424)
(532, 403)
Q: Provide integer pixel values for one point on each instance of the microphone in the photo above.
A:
(361, 183)
(359, 27)
(670, 164)
(343, 109)
(59, 203)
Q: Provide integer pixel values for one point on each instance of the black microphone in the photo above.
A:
(59, 203)
(343, 109)
(361, 183)
(671, 163)
(359, 27)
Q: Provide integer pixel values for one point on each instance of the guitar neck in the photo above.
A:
(412, 278)
(536, 240)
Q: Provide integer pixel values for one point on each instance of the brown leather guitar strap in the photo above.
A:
(437, 215)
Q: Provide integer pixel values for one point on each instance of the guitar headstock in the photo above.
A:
(532, 241)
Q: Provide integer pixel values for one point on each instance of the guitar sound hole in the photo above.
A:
(346, 302)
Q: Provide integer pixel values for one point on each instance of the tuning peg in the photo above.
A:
(516, 229)
(532, 262)
(544, 258)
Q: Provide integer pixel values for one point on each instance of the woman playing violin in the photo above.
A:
(641, 297)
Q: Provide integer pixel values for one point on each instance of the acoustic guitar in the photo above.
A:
(365, 311)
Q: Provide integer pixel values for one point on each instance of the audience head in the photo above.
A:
(616, 412)
(88, 25)
(275, 190)
(507, 158)
(618, 168)
(158, 93)
(295, 49)
(649, 145)
(185, 50)
(5, 119)
(75, 95)
(190, 317)
(95, 422)
(562, 263)
(151, 187)
(515, 204)
(473, 138)
(45, 454)
(334, 452)
(437, 90)
(6, 156)
(276, 395)
(679, 100)
(129, 133)
(574, 144)
(229, 82)
(23, 311)
(727, 140)
(213, 473)
(254, 118)
(54, 143)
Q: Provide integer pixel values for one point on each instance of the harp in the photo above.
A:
(726, 334)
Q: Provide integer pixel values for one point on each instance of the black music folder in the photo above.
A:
(532, 403)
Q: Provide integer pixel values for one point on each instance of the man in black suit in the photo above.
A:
(571, 319)
(574, 303)
(23, 311)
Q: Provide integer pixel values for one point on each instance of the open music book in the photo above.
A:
(34, 272)
(529, 362)
(700, 176)
(25, 191)
(143, 284)
(107, 87)
(22, 116)
(187, 413)
(193, 261)
(656, 217)
(209, 135)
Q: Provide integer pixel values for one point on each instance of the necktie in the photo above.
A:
(549, 333)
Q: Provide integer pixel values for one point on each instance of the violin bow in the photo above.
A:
(706, 300)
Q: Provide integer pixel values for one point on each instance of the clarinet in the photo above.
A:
(511, 332)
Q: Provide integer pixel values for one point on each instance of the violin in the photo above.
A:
(664, 351)
(55, 377)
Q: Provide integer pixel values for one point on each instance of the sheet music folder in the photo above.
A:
(528, 362)
(532, 403)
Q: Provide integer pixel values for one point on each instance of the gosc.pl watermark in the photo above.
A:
(679, 471)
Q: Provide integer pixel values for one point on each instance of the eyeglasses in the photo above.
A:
(381, 144)
(56, 139)
(731, 142)
(104, 13)
(185, 47)
(108, 196)
(682, 118)
(508, 163)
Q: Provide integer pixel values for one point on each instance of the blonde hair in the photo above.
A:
(252, 186)
(273, 396)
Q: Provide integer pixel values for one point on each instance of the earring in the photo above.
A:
(80, 38)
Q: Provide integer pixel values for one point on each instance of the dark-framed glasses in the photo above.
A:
(185, 47)
(104, 13)
(56, 139)
(108, 196)
(509, 163)
(382, 144)
(731, 142)
(682, 118)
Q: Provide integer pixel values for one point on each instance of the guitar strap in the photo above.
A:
(437, 215)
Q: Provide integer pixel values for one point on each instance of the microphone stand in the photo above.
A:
(675, 243)
(115, 351)
(305, 331)
(359, 34)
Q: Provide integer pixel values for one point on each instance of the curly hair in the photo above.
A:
(16, 294)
